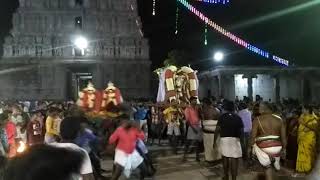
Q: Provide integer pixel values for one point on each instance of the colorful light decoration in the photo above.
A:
(177, 21)
(153, 7)
(232, 36)
(206, 35)
(215, 1)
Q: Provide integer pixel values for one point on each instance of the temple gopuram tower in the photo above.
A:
(41, 59)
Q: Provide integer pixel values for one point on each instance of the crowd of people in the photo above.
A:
(284, 133)
(272, 133)
(58, 128)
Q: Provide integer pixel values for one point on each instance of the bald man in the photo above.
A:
(268, 139)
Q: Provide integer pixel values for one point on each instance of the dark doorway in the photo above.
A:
(306, 91)
(79, 81)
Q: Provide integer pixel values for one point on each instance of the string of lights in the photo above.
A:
(215, 1)
(177, 21)
(153, 7)
(206, 35)
(231, 36)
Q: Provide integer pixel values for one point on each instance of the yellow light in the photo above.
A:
(22, 147)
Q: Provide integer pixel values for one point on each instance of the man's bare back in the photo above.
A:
(270, 125)
(267, 125)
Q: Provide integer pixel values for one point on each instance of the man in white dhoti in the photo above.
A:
(268, 139)
(229, 128)
(210, 116)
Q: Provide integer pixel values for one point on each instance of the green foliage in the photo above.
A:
(176, 58)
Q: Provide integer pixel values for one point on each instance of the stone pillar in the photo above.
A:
(306, 89)
(60, 82)
(250, 88)
(229, 87)
(250, 85)
(220, 93)
(277, 88)
(97, 76)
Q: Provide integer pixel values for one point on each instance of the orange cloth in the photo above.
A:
(192, 116)
(126, 139)
(12, 150)
(11, 132)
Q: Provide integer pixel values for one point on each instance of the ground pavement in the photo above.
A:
(170, 167)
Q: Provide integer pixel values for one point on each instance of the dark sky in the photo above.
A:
(294, 36)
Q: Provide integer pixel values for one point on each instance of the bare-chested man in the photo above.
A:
(268, 139)
(210, 116)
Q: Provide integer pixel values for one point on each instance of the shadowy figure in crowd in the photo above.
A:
(69, 131)
(42, 162)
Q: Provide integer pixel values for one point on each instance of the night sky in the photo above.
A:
(295, 36)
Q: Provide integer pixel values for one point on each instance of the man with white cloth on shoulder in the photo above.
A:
(268, 139)
(230, 128)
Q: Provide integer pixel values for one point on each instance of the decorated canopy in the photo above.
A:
(101, 103)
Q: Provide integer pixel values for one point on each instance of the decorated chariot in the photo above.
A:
(103, 104)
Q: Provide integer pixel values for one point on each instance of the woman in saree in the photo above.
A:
(307, 133)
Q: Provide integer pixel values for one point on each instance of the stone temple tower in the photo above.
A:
(41, 60)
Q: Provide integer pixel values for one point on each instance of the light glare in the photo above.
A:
(218, 56)
(81, 43)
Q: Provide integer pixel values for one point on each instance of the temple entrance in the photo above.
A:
(79, 81)
(82, 80)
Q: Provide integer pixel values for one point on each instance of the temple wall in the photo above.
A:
(203, 88)
(272, 83)
(263, 85)
(50, 82)
(208, 87)
(290, 88)
(241, 86)
(33, 83)
(315, 91)
(229, 87)
(44, 32)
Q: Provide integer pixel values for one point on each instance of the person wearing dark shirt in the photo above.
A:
(35, 129)
(229, 128)
(89, 141)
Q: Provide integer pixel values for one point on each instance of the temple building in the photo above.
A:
(271, 83)
(42, 58)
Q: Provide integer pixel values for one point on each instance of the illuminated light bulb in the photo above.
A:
(218, 56)
(81, 42)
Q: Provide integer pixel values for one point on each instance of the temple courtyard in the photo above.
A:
(170, 167)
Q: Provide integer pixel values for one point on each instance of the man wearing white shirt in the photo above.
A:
(246, 118)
